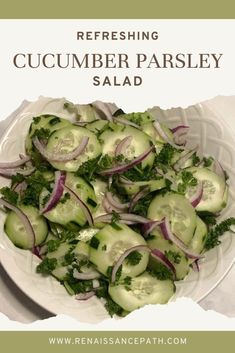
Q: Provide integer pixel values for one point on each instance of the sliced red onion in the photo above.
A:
(147, 228)
(196, 198)
(36, 251)
(55, 157)
(119, 262)
(195, 266)
(85, 276)
(20, 187)
(218, 169)
(123, 168)
(85, 296)
(126, 218)
(105, 110)
(168, 235)
(116, 203)
(123, 144)
(163, 135)
(126, 181)
(179, 128)
(180, 133)
(182, 160)
(161, 257)
(85, 209)
(15, 164)
(24, 219)
(57, 192)
(11, 172)
(108, 207)
(124, 121)
(139, 195)
(43, 250)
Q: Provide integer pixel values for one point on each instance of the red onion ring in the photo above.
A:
(85, 296)
(147, 228)
(126, 122)
(196, 198)
(139, 195)
(161, 257)
(125, 143)
(123, 168)
(54, 157)
(108, 207)
(182, 160)
(168, 235)
(11, 172)
(163, 135)
(124, 255)
(195, 266)
(24, 219)
(115, 203)
(15, 164)
(85, 276)
(218, 169)
(85, 209)
(179, 127)
(57, 192)
(105, 110)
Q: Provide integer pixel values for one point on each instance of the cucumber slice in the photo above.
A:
(15, 229)
(140, 143)
(82, 249)
(144, 289)
(60, 253)
(150, 130)
(181, 263)
(137, 185)
(86, 234)
(213, 190)
(110, 243)
(100, 188)
(197, 243)
(70, 211)
(180, 212)
(66, 140)
(50, 122)
(60, 273)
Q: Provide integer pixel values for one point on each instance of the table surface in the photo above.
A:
(17, 306)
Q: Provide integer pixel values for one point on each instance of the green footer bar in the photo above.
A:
(118, 9)
(120, 342)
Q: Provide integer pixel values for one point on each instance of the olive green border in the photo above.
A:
(38, 342)
(114, 9)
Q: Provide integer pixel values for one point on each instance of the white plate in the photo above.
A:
(207, 128)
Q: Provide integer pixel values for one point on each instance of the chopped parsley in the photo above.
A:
(65, 198)
(42, 134)
(54, 121)
(88, 168)
(134, 258)
(141, 208)
(47, 266)
(94, 243)
(218, 230)
(195, 159)
(91, 202)
(164, 158)
(18, 178)
(112, 307)
(160, 271)
(9, 195)
(207, 162)
(207, 217)
(36, 119)
(53, 245)
(173, 256)
(188, 180)
(35, 184)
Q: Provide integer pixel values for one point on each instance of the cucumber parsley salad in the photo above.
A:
(115, 205)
